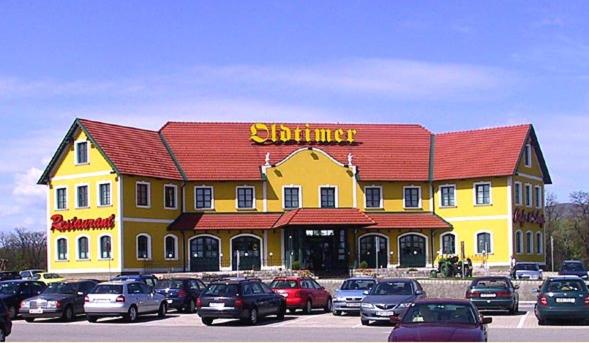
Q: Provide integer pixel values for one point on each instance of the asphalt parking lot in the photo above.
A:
(318, 326)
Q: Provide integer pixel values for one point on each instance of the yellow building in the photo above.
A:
(222, 196)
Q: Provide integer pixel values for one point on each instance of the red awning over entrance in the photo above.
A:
(224, 221)
(324, 216)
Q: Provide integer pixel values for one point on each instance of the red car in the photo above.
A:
(302, 293)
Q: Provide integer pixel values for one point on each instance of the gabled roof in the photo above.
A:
(324, 216)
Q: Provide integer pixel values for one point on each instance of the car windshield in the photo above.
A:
(51, 276)
(361, 285)
(527, 266)
(564, 286)
(392, 288)
(61, 288)
(575, 267)
(8, 288)
(283, 284)
(169, 284)
(221, 290)
(491, 283)
(107, 289)
(435, 313)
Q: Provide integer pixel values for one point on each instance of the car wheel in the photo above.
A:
(92, 319)
(308, 307)
(207, 321)
(253, 317)
(281, 312)
(68, 314)
(191, 307)
(542, 322)
(30, 319)
(337, 313)
(328, 306)
(12, 312)
(292, 310)
(131, 314)
(162, 310)
(365, 321)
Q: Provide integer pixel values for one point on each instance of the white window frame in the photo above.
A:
(539, 196)
(381, 200)
(419, 205)
(100, 258)
(237, 188)
(440, 196)
(528, 245)
(56, 198)
(78, 258)
(87, 195)
(98, 195)
(539, 248)
(175, 196)
(442, 243)
(300, 188)
(476, 242)
(212, 198)
(175, 258)
(148, 258)
(528, 152)
(518, 197)
(526, 187)
(67, 249)
(519, 248)
(76, 162)
(336, 195)
(148, 194)
(474, 192)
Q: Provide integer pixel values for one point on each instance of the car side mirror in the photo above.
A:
(395, 320)
(486, 320)
(365, 292)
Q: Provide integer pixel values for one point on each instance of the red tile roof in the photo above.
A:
(478, 153)
(407, 221)
(219, 221)
(133, 151)
(324, 216)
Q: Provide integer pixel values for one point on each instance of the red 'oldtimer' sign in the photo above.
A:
(58, 223)
(520, 216)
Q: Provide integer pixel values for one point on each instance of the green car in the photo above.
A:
(494, 293)
(562, 297)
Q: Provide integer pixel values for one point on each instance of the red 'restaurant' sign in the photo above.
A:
(58, 223)
(520, 216)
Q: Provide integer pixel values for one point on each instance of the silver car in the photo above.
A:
(527, 270)
(128, 299)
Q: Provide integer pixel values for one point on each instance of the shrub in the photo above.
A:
(296, 265)
(363, 265)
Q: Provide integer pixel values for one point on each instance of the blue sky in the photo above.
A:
(449, 65)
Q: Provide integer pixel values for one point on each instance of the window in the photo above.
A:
(170, 196)
(517, 190)
(448, 244)
(61, 198)
(143, 247)
(412, 197)
(82, 196)
(62, 249)
(482, 193)
(245, 197)
(373, 197)
(529, 243)
(528, 195)
(538, 197)
(484, 243)
(328, 197)
(171, 247)
(528, 155)
(203, 197)
(539, 243)
(105, 247)
(292, 197)
(448, 196)
(83, 248)
(81, 152)
(519, 244)
(104, 195)
(142, 194)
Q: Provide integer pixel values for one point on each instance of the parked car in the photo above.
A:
(30, 273)
(389, 298)
(493, 293)
(128, 299)
(9, 276)
(13, 292)
(63, 300)
(5, 322)
(349, 296)
(147, 279)
(48, 278)
(247, 300)
(527, 270)
(562, 297)
(573, 267)
(440, 320)
(302, 293)
(181, 294)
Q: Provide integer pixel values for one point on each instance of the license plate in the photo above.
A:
(565, 300)
(102, 300)
(385, 313)
(169, 301)
(36, 310)
(353, 305)
(488, 295)
(217, 305)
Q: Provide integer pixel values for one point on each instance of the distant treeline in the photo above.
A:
(23, 249)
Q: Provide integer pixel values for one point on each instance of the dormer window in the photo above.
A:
(81, 152)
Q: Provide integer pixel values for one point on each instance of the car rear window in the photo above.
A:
(491, 283)
(61, 288)
(281, 284)
(436, 313)
(363, 285)
(565, 286)
(107, 289)
(392, 288)
(169, 284)
(573, 266)
(221, 290)
(527, 266)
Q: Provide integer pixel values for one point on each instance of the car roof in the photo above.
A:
(491, 278)
(290, 278)
(117, 282)
(17, 280)
(564, 277)
(572, 261)
(527, 263)
(361, 278)
(401, 279)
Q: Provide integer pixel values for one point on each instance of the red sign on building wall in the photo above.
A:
(58, 223)
(521, 216)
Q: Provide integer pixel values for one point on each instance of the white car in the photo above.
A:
(128, 299)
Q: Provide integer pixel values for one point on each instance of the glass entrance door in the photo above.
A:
(373, 251)
(412, 251)
(246, 250)
(204, 254)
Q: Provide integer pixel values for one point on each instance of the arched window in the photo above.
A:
(448, 244)
(484, 243)
(171, 246)
(529, 243)
(519, 242)
(143, 247)
(62, 249)
(105, 247)
(539, 243)
(83, 248)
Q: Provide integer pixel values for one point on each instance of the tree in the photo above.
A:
(23, 249)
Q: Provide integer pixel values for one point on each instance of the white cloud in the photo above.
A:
(26, 184)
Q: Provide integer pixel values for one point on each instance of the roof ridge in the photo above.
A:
(117, 125)
(483, 129)
(290, 122)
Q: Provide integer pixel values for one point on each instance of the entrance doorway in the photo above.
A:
(246, 250)
(319, 250)
(373, 250)
(412, 251)
(204, 254)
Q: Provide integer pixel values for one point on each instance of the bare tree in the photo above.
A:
(23, 249)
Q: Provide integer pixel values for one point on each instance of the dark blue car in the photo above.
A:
(573, 267)
(181, 293)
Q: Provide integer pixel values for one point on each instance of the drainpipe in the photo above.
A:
(183, 252)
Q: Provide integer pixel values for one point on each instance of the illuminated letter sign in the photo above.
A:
(59, 224)
(261, 133)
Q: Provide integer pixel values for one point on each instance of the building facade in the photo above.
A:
(327, 197)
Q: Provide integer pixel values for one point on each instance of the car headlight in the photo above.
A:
(25, 303)
(403, 305)
(340, 299)
(367, 305)
(52, 304)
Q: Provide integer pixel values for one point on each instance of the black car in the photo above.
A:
(63, 300)
(5, 322)
(148, 279)
(493, 293)
(181, 294)
(15, 291)
(246, 300)
(9, 276)
(573, 267)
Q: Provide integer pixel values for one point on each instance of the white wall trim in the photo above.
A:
(264, 196)
(137, 183)
(253, 188)
(300, 188)
(418, 197)
(381, 200)
(148, 220)
(309, 149)
(81, 175)
(336, 194)
(175, 196)
(385, 237)
(477, 218)
(176, 252)
(531, 177)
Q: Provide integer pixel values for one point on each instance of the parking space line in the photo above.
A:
(522, 320)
